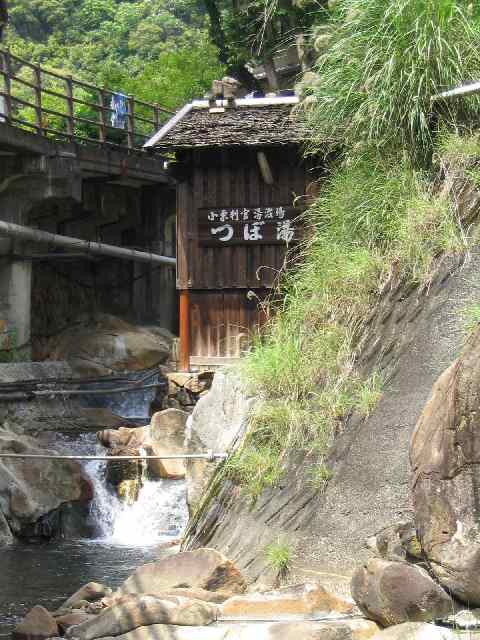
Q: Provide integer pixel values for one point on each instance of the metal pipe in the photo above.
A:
(99, 248)
(464, 90)
(31, 394)
(185, 456)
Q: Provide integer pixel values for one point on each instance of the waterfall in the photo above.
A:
(158, 514)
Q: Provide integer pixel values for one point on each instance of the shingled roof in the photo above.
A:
(252, 122)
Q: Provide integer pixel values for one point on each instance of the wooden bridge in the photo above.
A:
(60, 107)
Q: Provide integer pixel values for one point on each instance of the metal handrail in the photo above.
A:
(141, 119)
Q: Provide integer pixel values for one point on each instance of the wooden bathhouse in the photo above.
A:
(241, 181)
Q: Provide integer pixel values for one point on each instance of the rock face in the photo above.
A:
(445, 459)
(394, 592)
(410, 337)
(30, 490)
(217, 420)
(144, 610)
(167, 437)
(103, 344)
(205, 569)
(38, 624)
(299, 601)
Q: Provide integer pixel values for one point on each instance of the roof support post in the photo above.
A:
(184, 313)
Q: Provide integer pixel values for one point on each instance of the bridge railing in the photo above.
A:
(61, 107)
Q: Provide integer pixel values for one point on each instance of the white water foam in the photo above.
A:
(158, 514)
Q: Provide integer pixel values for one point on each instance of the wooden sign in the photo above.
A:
(248, 225)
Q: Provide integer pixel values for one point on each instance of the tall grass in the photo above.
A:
(374, 212)
(384, 62)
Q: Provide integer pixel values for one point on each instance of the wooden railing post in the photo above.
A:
(130, 121)
(102, 122)
(70, 108)
(7, 85)
(184, 331)
(156, 116)
(37, 82)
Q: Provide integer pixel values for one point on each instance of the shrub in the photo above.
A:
(278, 556)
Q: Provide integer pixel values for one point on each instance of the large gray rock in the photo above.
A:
(416, 631)
(445, 460)
(143, 610)
(31, 489)
(167, 437)
(38, 624)
(103, 344)
(395, 592)
(217, 420)
(205, 569)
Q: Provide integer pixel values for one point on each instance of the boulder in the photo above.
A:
(32, 490)
(396, 542)
(344, 630)
(101, 344)
(445, 461)
(90, 592)
(38, 624)
(394, 592)
(298, 601)
(415, 631)
(71, 619)
(204, 568)
(216, 597)
(219, 418)
(144, 610)
(122, 437)
(167, 437)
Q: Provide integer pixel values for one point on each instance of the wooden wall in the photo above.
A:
(219, 278)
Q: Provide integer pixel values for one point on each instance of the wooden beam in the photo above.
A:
(184, 313)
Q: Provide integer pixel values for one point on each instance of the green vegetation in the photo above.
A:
(471, 317)
(380, 217)
(383, 64)
(278, 556)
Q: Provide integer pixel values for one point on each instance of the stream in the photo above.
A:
(125, 536)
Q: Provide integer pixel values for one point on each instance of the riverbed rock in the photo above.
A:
(167, 437)
(38, 624)
(396, 542)
(90, 592)
(71, 619)
(219, 418)
(394, 592)
(144, 610)
(297, 601)
(216, 597)
(171, 632)
(122, 437)
(31, 490)
(204, 568)
(344, 630)
(415, 631)
(445, 460)
(102, 344)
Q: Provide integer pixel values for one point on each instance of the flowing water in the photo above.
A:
(125, 537)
